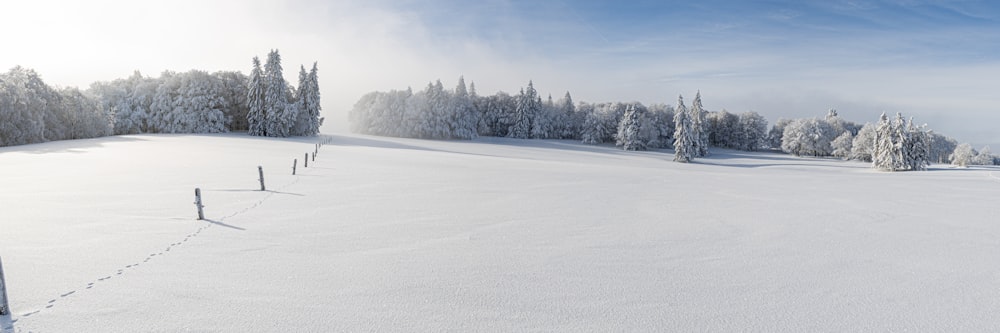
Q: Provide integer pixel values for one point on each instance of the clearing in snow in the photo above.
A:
(387, 234)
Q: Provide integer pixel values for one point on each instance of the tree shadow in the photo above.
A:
(373, 142)
(68, 146)
(223, 224)
(252, 190)
(6, 324)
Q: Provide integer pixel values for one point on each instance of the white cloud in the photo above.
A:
(363, 46)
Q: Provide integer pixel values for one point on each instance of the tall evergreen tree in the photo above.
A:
(900, 145)
(684, 149)
(521, 126)
(278, 114)
(885, 152)
(568, 127)
(629, 130)
(313, 102)
(699, 127)
(302, 125)
(463, 119)
(918, 146)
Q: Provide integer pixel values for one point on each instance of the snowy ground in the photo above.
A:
(384, 234)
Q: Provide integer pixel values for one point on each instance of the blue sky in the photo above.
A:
(937, 61)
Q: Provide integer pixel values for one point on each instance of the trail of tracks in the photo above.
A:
(104, 278)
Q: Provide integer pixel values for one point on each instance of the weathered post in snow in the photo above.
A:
(4, 305)
(197, 203)
(306, 159)
(260, 170)
(295, 163)
(314, 157)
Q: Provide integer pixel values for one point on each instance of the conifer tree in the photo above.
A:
(302, 124)
(280, 116)
(917, 147)
(523, 113)
(629, 130)
(567, 125)
(463, 118)
(900, 145)
(699, 127)
(257, 115)
(683, 136)
(313, 102)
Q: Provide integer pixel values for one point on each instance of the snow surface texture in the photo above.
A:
(383, 234)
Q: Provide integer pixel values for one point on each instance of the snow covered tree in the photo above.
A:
(541, 121)
(807, 137)
(464, 119)
(963, 155)
(684, 135)
(887, 152)
(699, 127)
(900, 145)
(630, 130)
(496, 116)
(984, 157)
(842, 145)
(774, 136)
(593, 131)
(863, 144)
(256, 109)
(520, 127)
(566, 124)
(313, 106)
(24, 99)
(234, 96)
(754, 127)
(86, 118)
(279, 114)
(302, 124)
(917, 146)
(658, 127)
(724, 129)
(941, 148)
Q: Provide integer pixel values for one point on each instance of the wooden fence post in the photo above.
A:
(314, 157)
(295, 162)
(4, 305)
(306, 159)
(260, 170)
(197, 203)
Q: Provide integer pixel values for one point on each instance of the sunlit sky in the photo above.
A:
(938, 61)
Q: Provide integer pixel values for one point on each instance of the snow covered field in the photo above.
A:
(385, 234)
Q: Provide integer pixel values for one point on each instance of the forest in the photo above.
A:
(890, 143)
(195, 101)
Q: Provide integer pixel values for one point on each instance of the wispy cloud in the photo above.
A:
(932, 59)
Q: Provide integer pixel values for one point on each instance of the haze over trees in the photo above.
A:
(526, 115)
(438, 113)
(32, 111)
(278, 109)
(175, 102)
(264, 104)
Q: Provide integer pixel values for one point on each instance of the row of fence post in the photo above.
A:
(260, 172)
(4, 303)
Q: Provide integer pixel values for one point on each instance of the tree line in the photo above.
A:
(437, 113)
(32, 111)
